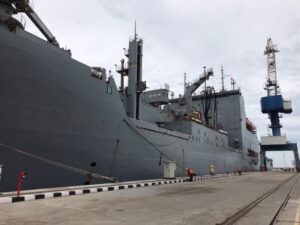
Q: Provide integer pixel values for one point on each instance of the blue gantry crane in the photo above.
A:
(274, 104)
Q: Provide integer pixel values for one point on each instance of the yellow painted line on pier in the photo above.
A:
(297, 217)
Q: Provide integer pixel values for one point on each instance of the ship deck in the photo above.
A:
(252, 198)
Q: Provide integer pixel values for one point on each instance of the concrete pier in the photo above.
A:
(208, 201)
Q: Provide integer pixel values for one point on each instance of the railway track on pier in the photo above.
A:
(288, 184)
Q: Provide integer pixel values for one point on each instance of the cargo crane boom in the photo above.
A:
(24, 7)
(190, 89)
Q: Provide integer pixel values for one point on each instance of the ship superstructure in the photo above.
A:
(66, 123)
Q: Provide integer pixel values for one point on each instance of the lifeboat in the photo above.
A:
(250, 126)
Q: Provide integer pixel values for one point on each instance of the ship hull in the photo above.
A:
(54, 115)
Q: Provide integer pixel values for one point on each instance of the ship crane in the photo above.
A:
(23, 6)
(273, 104)
(190, 89)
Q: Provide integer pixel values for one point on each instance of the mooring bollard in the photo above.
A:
(21, 178)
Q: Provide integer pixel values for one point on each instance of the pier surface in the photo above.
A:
(200, 202)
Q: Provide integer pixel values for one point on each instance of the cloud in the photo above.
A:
(116, 8)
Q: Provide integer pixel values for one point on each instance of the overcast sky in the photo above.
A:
(185, 35)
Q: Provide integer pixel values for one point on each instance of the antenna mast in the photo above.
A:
(204, 73)
(222, 77)
(233, 82)
(135, 35)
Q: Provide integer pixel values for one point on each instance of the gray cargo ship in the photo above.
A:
(66, 123)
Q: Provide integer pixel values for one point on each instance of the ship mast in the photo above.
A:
(133, 70)
(223, 76)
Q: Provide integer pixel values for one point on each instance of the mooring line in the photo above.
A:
(54, 163)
